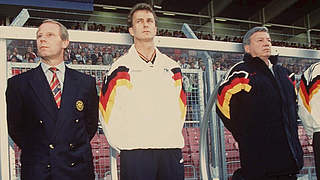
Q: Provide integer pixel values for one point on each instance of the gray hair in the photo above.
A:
(64, 35)
(247, 36)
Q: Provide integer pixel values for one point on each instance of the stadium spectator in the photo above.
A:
(107, 56)
(117, 56)
(144, 125)
(14, 59)
(31, 52)
(54, 139)
(257, 104)
(99, 60)
(78, 54)
(95, 55)
(26, 57)
(83, 57)
(17, 54)
(74, 61)
(183, 63)
(308, 105)
(192, 66)
(9, 54)
(89, 62)
(31, 60)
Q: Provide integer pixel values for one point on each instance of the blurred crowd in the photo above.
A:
(200, 35)
(104, 54)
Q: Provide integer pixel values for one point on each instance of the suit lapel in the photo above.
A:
(70, 85)
(42, 89)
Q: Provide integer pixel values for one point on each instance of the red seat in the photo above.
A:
(194, 148)
(232, 155)
(195, 158)
(194, 140)
(102, 165)
(186, 149)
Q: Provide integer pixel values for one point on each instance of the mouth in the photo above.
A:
(43, 47)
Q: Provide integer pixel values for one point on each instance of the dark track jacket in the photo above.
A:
(259, 109)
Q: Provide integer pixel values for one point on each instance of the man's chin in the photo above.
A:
(267, 55)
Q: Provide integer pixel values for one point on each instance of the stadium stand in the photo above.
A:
(19, 51)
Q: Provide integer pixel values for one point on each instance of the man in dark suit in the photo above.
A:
(52, 113)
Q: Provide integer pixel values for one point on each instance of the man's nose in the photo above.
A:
(42, 39)
(267, 43)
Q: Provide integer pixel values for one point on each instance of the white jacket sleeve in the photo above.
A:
(304, 110)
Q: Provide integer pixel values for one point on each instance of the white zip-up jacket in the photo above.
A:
(309, 99)
(143, 104)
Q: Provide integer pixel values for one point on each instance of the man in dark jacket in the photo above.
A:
(52, 113)
(257, 103)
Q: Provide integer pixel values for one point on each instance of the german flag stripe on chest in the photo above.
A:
(119, 77)
(235, 83)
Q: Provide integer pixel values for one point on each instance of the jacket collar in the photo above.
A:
(256, 60)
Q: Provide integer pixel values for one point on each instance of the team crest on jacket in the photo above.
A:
(79, 105)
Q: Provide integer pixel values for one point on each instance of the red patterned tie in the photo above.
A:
(55, 87)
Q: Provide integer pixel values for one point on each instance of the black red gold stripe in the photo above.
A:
(236, 85)
(177, 76)
(303, 92)
(314, 87)
(119, 77)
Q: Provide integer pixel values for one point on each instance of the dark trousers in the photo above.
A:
(151, 164)
(316, 152)
(238, 176)
(288, 177)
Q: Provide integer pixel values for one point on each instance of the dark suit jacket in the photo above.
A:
(55, 143)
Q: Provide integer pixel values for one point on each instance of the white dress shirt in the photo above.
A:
(61, 68)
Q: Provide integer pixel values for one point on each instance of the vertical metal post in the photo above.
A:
(4, 154)
(7, 23)
(308, 30)
(113, 164)
(211, 12)
(86, 26)
(263, 17)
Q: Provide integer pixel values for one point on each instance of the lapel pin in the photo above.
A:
(79, 105)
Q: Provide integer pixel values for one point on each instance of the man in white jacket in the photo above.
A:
(309, 105)
(144, 105)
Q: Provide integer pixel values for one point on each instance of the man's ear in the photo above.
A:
(247, 49)
(65, 44)
(131, 31)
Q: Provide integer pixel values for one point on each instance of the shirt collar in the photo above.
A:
(135, 52)
(270, 64)
(61, 67)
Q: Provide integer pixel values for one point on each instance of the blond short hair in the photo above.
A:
(64, 35)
